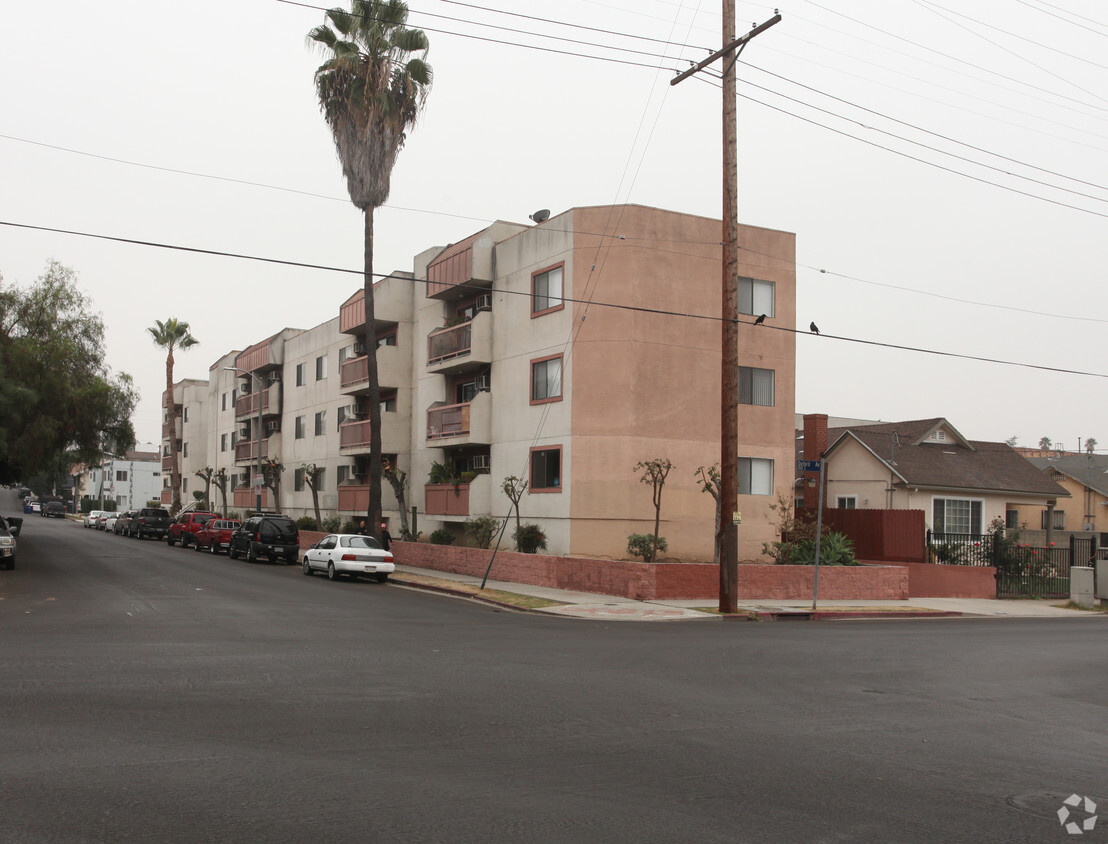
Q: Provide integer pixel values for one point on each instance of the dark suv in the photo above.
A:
(266, 535)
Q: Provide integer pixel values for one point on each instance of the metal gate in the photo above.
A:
(1021, 571)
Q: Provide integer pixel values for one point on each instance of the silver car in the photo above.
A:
(348, 554)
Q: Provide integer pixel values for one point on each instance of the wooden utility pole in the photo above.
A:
(729, 337)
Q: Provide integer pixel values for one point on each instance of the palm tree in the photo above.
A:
(371, 89)
(172, 334)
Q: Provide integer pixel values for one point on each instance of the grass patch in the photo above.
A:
(1070, 605)
(526, 602)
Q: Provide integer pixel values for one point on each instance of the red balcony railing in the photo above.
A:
(354, 371)
(353, 498)
(451, 420)
(248, 404)
(246, 497)
(449, 343)
(354, 434)
(248, 450)
(446, 499)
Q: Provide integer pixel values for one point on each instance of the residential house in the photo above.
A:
(926, 464)
(1085, 478)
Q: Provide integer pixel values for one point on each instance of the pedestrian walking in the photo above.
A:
(385, 538)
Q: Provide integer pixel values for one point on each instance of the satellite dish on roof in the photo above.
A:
(541, 215)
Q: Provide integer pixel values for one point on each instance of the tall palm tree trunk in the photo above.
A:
(174, 468)
(374, 509)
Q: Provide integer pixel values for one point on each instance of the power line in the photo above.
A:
(614, 305)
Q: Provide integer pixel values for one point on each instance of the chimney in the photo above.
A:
(815, 444)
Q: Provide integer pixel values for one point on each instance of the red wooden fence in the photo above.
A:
(885, 535)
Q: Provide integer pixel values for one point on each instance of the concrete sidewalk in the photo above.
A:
(571, 604)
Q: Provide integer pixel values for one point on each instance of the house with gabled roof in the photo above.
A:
(1085, 478)
(961, 485)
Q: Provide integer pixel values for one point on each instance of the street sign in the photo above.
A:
(807, 465)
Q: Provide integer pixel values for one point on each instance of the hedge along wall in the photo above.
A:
(651, 581)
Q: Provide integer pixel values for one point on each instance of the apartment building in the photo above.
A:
(563, 354)
(130, 480)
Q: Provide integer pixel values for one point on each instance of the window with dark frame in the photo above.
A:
(300, 374)
(321, 423)
(546, 469)
(546, 380)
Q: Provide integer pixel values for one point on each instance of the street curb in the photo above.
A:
(458, 593)
(846, 615)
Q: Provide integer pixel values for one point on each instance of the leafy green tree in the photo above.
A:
(371, 88)
(59, 402)
(1045, 443)
(172, 334)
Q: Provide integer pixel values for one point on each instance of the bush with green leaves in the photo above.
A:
(529, 539)
(835, 549)
(482, 530)
(307, 523)
(331, 524)
(442, 536)
(349, 526)
(642, 545)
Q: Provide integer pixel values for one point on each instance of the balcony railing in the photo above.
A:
(248, 405)
(451, 420)
(167, 463)
(353, 498)
(448, 343)
(167, 496)
(354, 434)
(245, 496)
(354, 372)
(446, 499)
(248, 450)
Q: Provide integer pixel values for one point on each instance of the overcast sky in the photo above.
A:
(966, 215)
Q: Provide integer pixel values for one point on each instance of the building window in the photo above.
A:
(847, 502)
(546, 469)
(186, 419)
(957, 515)
(185, 453)
(321, 368)
(343, 474)
(223, 402)
(298, 480)
(341, 416)
(120, 475)
(300, 375)
(1012, 519)
(321, 423)
(755, 476)
(299, 433)
(234, 438)
(756, 386)
(757, 297)
(184, 484)
(1059, 520)
(320, 480)
(546, 291)
(388, 401)
(465, 391)
(222, 442)
(546, 380)
(119, 499)
(388, 338)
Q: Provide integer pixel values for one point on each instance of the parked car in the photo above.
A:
(54, 509)
(348, 554)
(268, 535)
(101, 522)
(32, 507)
(184, 530)
(9, 530)
(122, 524)
(149, 521)
(90, 518)
(215, 536)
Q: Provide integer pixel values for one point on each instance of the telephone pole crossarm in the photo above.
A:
(738, 42)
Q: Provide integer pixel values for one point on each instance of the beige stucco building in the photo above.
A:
(561, 353)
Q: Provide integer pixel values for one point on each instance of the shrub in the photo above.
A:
(307, 523)
(331, 525)
(349, 526)
(439, 474)
(642, 545)
(482, 530)
(442, 536)
(835, 549)
(406, 535)
(529, 539)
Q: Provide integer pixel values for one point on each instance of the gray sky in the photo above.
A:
(921, 253)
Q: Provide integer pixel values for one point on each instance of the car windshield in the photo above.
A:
(359, 542)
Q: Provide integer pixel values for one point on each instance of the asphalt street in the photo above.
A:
(150, 693)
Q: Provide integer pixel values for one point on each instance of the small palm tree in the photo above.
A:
(172, 334)
(371, 88)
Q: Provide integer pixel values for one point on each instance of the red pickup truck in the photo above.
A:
(215, 535)
(184, 530)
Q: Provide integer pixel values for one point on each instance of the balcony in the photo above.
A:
(166, 497)
(354, 436)
(391, 297)
(167, 463)
(472, 498)
(171, 429)
(470, 422)
(264, 355)
(270, 398)
(247, 451)
(391, 374)
(246, 498)
(461, 347)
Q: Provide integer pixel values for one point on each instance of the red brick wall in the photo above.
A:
(928, 580)
(815, 444)
(649, 581)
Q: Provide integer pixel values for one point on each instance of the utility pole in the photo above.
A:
(729, 371)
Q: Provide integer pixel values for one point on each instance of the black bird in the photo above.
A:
(813, 328)
(760, 320)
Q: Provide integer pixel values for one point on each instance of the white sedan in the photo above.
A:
(349, 554)
(91, 517)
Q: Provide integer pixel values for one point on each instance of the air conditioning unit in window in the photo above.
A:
(484, 302)
(354, 412)
(272, 427)
(479, 462)
(244, 433)
(483, 383)
(274, 378)
(359, 349)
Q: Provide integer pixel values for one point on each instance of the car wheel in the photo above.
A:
(196, 546)
(232, 553)
(382, 576)
(213, 549)
(185, 540)
(251, 557)
(331, 573)
(169, 540)
(307, 567)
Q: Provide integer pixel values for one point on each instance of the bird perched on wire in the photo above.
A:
(760, 319)
(813, 328)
